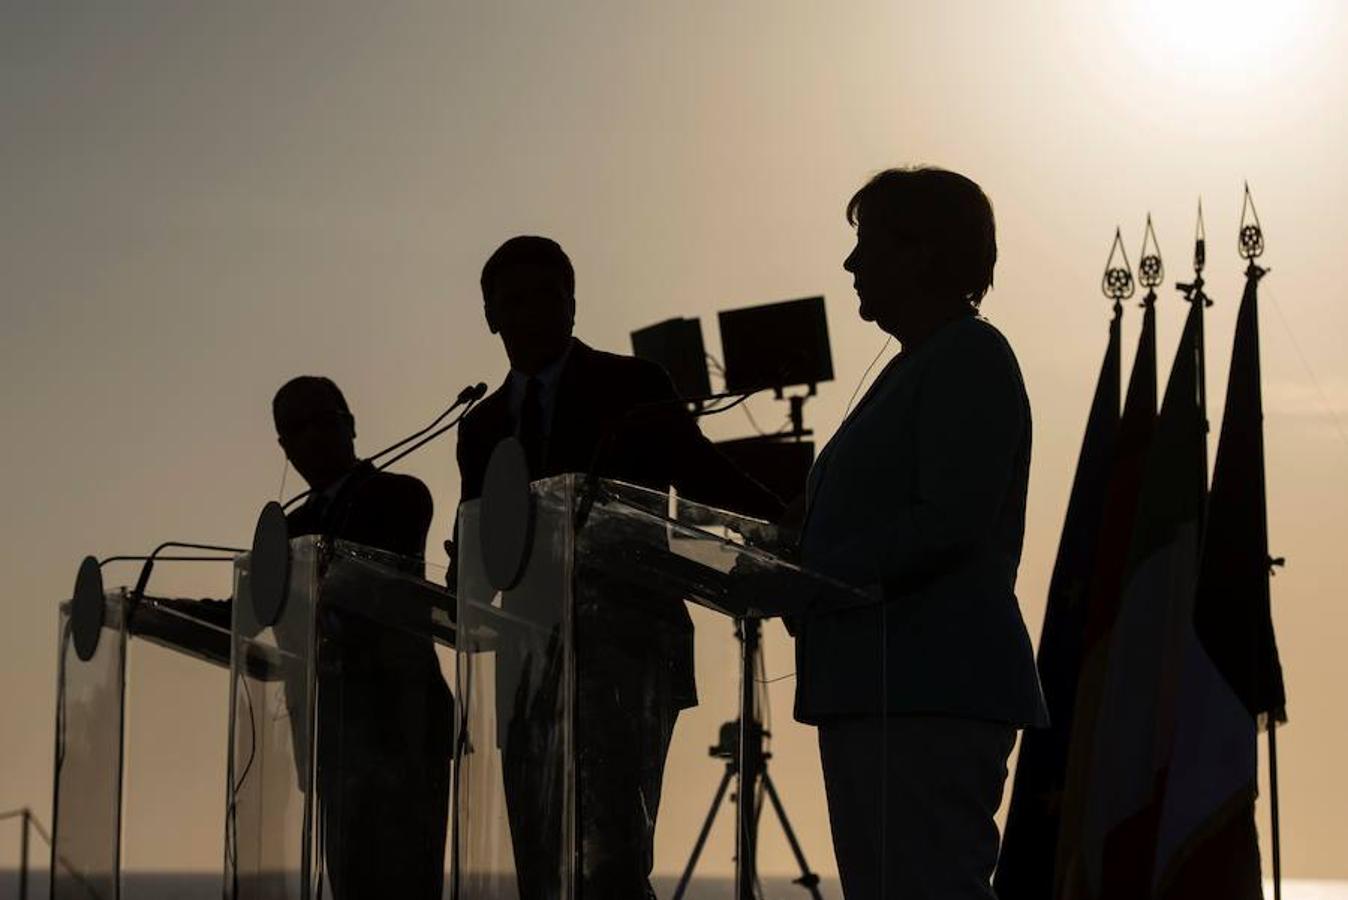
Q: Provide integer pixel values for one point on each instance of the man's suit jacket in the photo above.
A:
(598, 397)
(386, 511)
(378, 509)
(385, 725)
(605, 398)
(920, 498)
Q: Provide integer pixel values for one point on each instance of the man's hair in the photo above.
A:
(304, 384)
(528, 250)
(945, 210)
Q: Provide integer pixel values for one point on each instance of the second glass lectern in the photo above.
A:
(341, 727)
(631, 610)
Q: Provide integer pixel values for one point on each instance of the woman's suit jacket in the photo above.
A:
(920, 498)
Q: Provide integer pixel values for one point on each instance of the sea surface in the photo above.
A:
(199, 886)
(207, 886)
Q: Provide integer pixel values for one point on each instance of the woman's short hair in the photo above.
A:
(945, 210)
(528, 250)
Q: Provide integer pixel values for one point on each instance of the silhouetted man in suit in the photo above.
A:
(564, 400)
(920, 498)
(384, 732)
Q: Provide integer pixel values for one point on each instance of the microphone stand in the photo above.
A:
(469, 396)
(590, 488)
(143, 581)
(428, 438)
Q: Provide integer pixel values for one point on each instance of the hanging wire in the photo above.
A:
(285, 470)
(862, 380)
(719, 371)
(726, 406)
(761, 676)
(1326, 406)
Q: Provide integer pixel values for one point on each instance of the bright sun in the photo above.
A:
(1207, 39)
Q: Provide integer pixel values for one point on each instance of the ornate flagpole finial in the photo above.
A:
(1150, 270)
(1251, 241)
(1117, 283)
(1200, 241)
(1193, 290)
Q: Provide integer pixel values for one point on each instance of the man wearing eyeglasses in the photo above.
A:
(384, 729)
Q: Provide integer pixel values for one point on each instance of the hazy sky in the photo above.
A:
(201, 200)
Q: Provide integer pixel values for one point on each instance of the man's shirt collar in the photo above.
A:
(549, 377)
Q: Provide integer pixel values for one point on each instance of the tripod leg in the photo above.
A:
(807, 879)
(702, 835)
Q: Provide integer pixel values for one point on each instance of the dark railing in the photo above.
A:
(28, 822)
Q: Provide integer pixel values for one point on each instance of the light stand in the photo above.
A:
(740, 744)
(797, 412)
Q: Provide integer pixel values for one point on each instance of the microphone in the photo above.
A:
(654, 410)
(86, 609)
(469, 396)
(143, 581)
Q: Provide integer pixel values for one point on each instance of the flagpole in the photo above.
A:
(1251, 244)
(1194, 294)
(1273, 802)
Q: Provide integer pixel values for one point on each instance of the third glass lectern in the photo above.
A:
(632, 610)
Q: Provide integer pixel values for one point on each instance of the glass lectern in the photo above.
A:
(633, 611)
(341, 729)
(122, 660)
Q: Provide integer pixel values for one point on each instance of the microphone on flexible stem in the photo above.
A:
(86, 611)
(657, 409)
(468, 396)
(143, 581)
(108, 560)
(473, 394)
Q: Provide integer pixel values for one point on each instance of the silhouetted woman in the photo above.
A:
(919, 498)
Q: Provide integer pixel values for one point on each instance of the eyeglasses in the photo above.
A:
(309, 420)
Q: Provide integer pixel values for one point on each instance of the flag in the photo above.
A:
(1232, 679)
(1136, 714)
(1102, 594)
(1029, 844)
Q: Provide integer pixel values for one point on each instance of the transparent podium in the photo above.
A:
(591, 688)
(341, 728)
(113, 654)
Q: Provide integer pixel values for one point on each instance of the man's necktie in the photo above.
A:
(318, 509)
(531, 426)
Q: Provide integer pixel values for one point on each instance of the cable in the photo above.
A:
(753, 423)
(59, 765)
(764, 698)
(727, 406)
(232, 813)
(61, 707)
(853, 398)
(285, 470)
